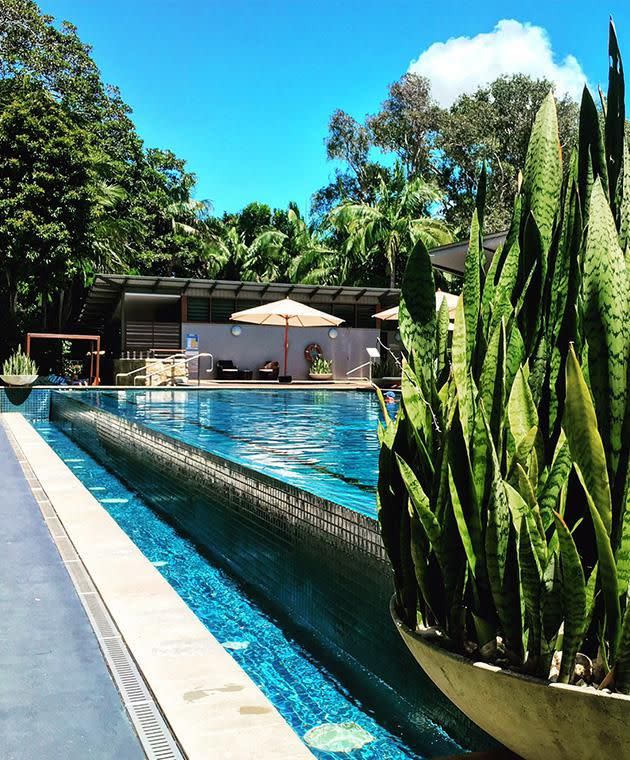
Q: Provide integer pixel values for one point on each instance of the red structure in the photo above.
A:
(93, 339)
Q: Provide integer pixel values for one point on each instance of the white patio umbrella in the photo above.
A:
(286, 313)
(451, 300)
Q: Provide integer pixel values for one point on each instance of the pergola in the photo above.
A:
(94, 369)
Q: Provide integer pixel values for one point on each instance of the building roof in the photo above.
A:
(450, 258)
(107, 289)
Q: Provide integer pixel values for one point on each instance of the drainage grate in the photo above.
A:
(155, 736)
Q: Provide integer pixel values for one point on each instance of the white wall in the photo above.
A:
(258, 343)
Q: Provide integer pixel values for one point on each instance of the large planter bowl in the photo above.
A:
(536, 719)
(16, 381)
(317, 376)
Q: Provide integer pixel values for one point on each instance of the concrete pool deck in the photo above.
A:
(57, 699)
(211, 705)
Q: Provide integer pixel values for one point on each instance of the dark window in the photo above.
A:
(244, 303)
(198, 310)
(345, 311)
(364, 315)
(222, 308)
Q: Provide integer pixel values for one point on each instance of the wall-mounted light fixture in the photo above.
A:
(236, 330)
(333, 333)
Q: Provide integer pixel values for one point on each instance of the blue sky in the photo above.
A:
(244, 90)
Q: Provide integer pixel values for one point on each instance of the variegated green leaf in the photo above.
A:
(471, 294)
(585, 443)
(542, 176)
(606, 321)
(522, 412)
(416, 312)
(607, 569)
(573, 599)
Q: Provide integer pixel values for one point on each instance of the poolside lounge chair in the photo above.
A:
(269, 371)
(226, 370)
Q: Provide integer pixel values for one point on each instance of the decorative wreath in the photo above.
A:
(313, 351)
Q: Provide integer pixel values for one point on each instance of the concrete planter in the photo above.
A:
(316, 376)
(537, 719)
(18, 381)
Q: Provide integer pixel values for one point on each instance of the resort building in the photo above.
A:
(140, 316)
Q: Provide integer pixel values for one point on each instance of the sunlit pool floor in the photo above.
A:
(303, 691)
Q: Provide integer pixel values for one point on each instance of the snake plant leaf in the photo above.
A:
(585, 443)
(622, 665)
(623, 201)
(615, 112)
(606, 321)
(442, 331)
(416, 313)
(514, 354)
(504, 295)
(414, 402)
(573, 599)
(473, 552)
(607, 568)
(591, 586)
(500, 543)
(522, 452)
(623, 549)
(492, 382)
(591, 150)
(471, 293)
(521, 409)
(542, 175)
(557, 477)
(552, 600)
(461, 371)
(531, 580)
(420, 501)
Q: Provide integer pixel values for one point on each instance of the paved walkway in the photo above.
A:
(57, 699)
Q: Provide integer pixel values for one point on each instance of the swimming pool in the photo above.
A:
(323, 442)
(303, 690)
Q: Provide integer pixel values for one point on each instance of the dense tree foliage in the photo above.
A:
(80, 193)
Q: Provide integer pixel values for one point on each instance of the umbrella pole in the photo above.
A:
(286, 342)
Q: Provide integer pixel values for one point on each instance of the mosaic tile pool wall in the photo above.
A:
(315, 563)
(33, 403)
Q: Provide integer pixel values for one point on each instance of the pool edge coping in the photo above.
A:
(212, 706)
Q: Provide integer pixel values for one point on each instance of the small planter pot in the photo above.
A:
(315, 376)
(536, 719)
(18, 381)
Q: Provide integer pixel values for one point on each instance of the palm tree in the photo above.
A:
(231, 257)
(311, 260)
(390, 227)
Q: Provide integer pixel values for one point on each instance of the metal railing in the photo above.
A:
(176, 360)
(374, 355)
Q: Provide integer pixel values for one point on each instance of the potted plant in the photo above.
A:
(19, 370)
(321, 369)
(504, 488)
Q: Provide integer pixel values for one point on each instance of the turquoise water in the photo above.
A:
(321, 441)
(302, 689)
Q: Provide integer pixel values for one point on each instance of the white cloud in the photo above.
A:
(462, 64)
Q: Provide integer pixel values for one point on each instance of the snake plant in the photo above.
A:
(503, 489)
(19, 364)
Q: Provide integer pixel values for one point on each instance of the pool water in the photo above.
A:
(302, 689)
(324, 442)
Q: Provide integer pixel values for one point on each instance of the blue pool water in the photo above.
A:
(324, 442)
(304, 692)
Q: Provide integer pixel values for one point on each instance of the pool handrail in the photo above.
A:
(179, 357)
